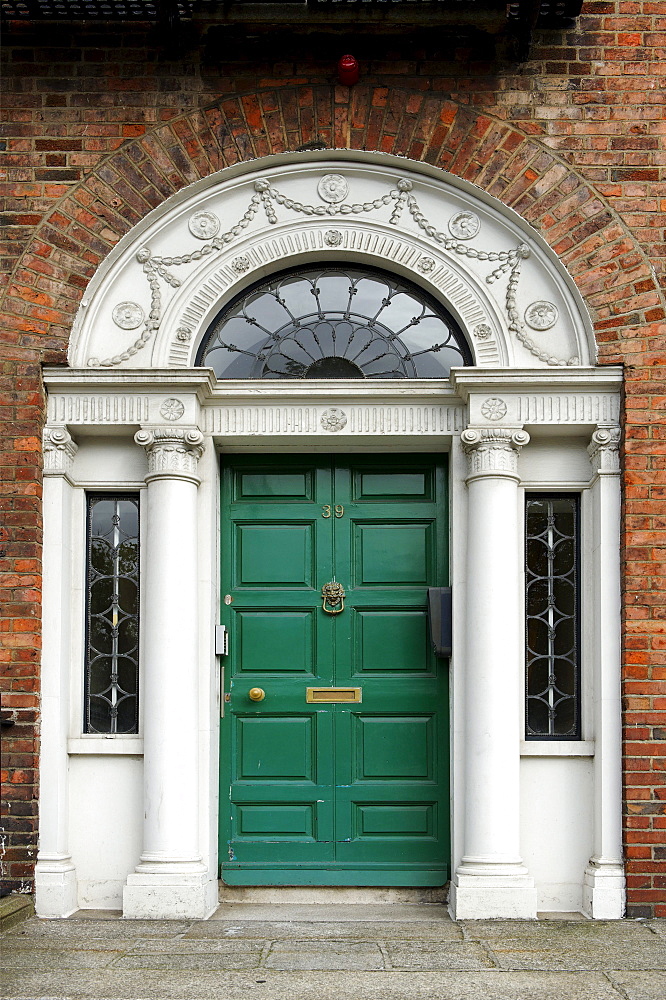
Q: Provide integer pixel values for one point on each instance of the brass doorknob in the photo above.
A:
(256, 694)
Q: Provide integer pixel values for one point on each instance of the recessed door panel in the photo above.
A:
(391, 640)
(332, 790)
(289, 634)
(272, 485)
(387, 748)
(404, 820)
(393, 554)
(277, 821)
(275, 555)
(281, 749)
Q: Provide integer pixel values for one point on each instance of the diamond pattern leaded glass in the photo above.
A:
(112, 641)
(552, 617)
(333, 322)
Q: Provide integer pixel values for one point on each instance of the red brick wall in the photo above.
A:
(102, 129)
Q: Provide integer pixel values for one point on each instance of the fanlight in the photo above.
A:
(335, 323)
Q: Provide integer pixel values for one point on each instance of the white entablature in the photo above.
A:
(154, 297)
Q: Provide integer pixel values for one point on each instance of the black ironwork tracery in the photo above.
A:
(112, 614)
(333, 322)
(552, 602)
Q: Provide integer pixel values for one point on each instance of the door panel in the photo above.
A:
(330, 793)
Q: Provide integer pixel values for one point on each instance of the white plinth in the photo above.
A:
(604, 895)
(149, 896)
(56, 889)
(479, 897)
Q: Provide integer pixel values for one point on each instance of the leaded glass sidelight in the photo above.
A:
(552, 602)
(112, 614)
(333, 322)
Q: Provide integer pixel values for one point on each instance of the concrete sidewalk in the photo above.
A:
(333, 952)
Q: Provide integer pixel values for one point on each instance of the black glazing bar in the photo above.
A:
(112, 619)
(552, 616)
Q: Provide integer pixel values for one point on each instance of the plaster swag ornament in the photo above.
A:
(158, 269)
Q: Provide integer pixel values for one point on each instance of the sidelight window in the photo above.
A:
(552, 604)
(112, 614)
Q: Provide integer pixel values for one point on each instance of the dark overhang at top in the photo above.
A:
(516, 18)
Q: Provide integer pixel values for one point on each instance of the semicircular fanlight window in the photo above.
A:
(334, 323)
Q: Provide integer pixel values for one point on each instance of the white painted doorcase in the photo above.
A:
(131, 819)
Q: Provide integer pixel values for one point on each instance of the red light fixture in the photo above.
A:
(348, 71)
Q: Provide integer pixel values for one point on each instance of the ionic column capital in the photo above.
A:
(59, 450)
(173, 452)
(604, 449)
(493, 450)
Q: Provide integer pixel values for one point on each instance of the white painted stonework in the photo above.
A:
(134, 412)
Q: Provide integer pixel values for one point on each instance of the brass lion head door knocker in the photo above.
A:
(334, 598)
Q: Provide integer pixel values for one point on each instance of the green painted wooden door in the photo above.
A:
(333, 793)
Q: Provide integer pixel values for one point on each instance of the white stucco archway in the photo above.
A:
(522, 416)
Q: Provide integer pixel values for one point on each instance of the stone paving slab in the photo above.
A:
(351, 956)
(85, 929)
(579, 956)
(609, 932)
(640, 985)
(414, 955)
(439, 930)
(47, 959)
(493, 985)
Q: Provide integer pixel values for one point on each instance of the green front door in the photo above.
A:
(317, 788)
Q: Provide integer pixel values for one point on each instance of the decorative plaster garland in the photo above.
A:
(156, 268)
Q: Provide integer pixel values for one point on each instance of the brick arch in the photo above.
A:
(605, 262)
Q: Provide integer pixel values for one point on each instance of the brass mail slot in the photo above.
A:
(327, 695)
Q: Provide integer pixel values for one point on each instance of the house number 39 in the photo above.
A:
(327, 510)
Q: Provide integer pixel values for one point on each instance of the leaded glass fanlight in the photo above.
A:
(333, 322)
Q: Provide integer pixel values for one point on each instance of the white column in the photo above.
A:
(55, 875)
(604, 884)
(170, 879)
(491, 880)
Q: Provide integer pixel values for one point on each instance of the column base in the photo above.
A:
(56, 888)
(604, 896)
(169, 895)
(495, 892)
